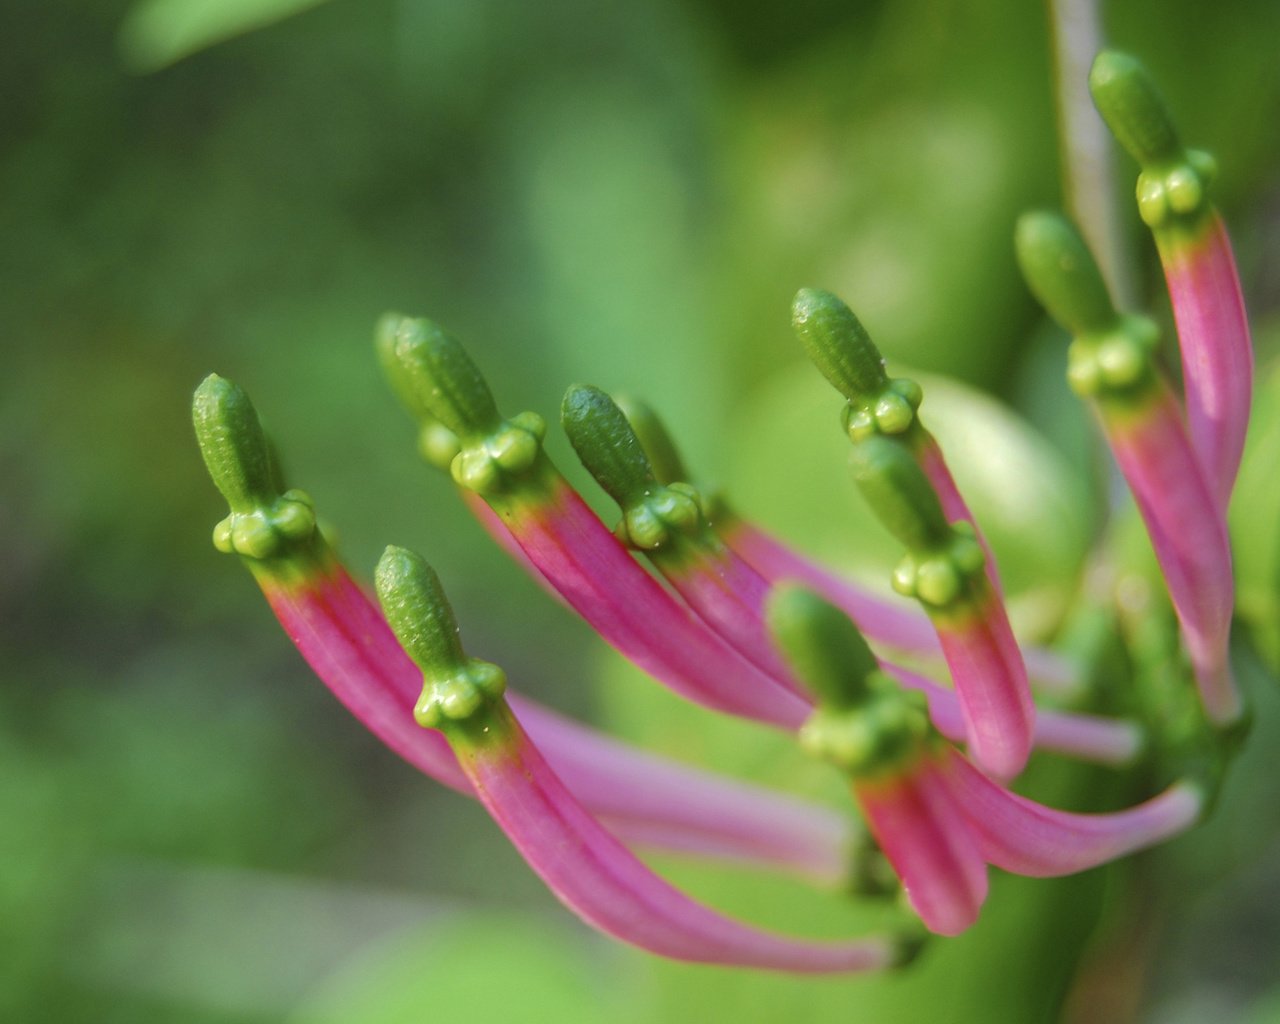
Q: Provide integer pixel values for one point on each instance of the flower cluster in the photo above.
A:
(732, 618)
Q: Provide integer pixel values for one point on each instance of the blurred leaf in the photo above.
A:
(485, 967)
(157, 33)
(1255, 517)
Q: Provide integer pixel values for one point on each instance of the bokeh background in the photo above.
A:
(626, 194)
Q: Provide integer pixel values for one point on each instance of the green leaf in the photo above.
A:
(157, 33)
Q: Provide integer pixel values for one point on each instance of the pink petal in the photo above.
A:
(991, 682)
(1217, 355)
(1091, 738)
(929, 844)
(883, 621)
(602, 882)
(1027, 838)
(1189, 536)
(644, 798)
(598, 577)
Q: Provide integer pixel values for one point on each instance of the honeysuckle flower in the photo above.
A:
(1199, 266)
(736, 620)
(1112, 366)
(581, 862)
(937, 818)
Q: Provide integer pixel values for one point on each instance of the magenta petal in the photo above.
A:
(1090, 738)
(1027, 838)
(652, 801)
(1189, 537)
(882, 621)
(936, 471)
(929, 844)
(644, 799)
(345, 640)
(1217, 355)
(598, 577)
(602, 882)
(729, 596)
(991, 683)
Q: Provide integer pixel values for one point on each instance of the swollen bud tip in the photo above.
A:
(899, 493)
(263, 522)
(606, 444)
(233, 445)
(838, 344)
(455, 688)
(822, 646)
(417, 610)
(1129, 102)
(438, 376)
(1062, 274)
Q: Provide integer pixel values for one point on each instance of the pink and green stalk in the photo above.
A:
(843, 351)
(1199, 266)
(944, 569)
(586, 868)
(343, 636)
(1092, 738)
(665, 522)
(1111, 365)
(503, 461)
(1027, 838)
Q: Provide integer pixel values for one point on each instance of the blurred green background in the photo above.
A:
(626, 194)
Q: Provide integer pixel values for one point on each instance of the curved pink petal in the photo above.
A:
(883, 621)
(1217, 354)
(991, 682)
(1092, 738)
(630, 610)
(928, 842)
(1189, 536)
(602, 882)
(645, 799)
(1027, 838)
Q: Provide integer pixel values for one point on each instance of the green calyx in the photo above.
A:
(1118, 364)
(461, 424)
(1062, 274)
(822, 645)
(1173, 185)
(457, 689)
(654, 515)
(843, 351)
(264, 523)
(865, 722)
(878, 737)
(1111, 356)
(944, 561)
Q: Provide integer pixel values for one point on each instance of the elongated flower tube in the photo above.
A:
(944, 571)
(1027, 838)
(643, 798)
(1111, 365)
(879, 736)
(503, 461)
(843, 351)
(665, 522)
(1199, 266)
(587, 869)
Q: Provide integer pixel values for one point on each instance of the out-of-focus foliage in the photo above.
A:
(626, 194)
